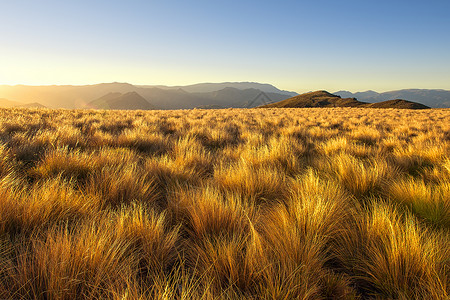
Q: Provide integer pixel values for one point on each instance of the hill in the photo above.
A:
(325, 99)
(397, 103)
(429, 97)
(316, 99)
(131, 100)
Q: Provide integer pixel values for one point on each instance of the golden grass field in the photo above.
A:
(339, 203)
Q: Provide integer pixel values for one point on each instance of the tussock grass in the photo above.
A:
(64, 163)
(47, 203)
(140, 141)
(68, 265)
(263, 185)
(429, 201)
(6, 161)
(117, 186)
(300, 237)
(340, 203)
(397, 258)
(153, 243)
(358, 176)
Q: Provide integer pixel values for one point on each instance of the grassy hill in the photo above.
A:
(325, 99)
(397, 103)
(316, 99)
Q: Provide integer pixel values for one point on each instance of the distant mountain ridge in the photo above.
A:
(6, 103)
(326, 99)
(32, 105)
(9, 103)
(202, 95)
(428, 97)
(208, 87)
(160, 97)
(233, 97)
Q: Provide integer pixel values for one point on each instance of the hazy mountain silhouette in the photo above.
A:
(115, 100)
(68, 96)
(62, 96)
(32, 105)
(212, 87)
(171, 99)
(233, 97)
(326, 99)
(232, 94)
(9, 103)
(431, 98)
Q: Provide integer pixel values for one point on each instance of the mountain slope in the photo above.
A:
(428, 97)
(127, 101)
(325, 99)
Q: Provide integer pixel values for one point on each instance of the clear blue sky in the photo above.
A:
(295, 45)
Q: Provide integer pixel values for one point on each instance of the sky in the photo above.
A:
(295, 45)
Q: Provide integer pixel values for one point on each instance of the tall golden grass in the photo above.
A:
(339, 203)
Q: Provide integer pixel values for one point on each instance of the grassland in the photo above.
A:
(342, 203)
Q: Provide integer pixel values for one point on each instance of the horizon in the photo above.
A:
(295, 46)
(231, 82)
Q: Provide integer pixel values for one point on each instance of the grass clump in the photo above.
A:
(428, 201)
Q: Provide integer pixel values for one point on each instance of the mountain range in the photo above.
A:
(212, 87)
(203, 95)
(8, 103)
(221, 95)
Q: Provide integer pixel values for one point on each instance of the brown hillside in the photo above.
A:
(316, 99)
(397, 103)
(325, 99)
